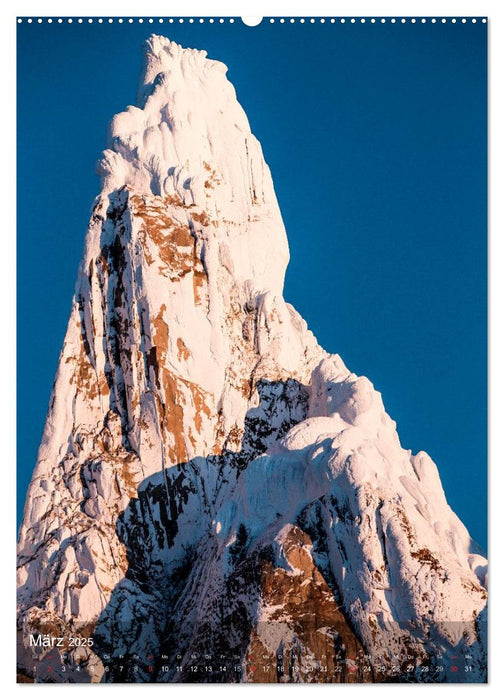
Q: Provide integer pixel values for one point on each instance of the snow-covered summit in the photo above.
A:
(164, 58)
(190, 139)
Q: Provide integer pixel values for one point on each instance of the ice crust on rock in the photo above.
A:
(203, 457)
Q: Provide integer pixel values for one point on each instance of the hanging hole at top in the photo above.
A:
(251, 21)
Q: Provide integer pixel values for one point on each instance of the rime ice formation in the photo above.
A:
(209, 478)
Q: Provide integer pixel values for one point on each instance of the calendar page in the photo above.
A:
(251, 268)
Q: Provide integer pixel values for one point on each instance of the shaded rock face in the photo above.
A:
(216, 498)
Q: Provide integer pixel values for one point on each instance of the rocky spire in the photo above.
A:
(202, 452)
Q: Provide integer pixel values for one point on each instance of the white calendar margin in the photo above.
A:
(459, 8)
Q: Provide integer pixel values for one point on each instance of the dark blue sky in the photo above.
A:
(376, 138)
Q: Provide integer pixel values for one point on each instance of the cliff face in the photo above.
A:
(211, 483)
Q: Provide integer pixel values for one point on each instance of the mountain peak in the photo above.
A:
(163, 58)
(191, 142)
(210, 479)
